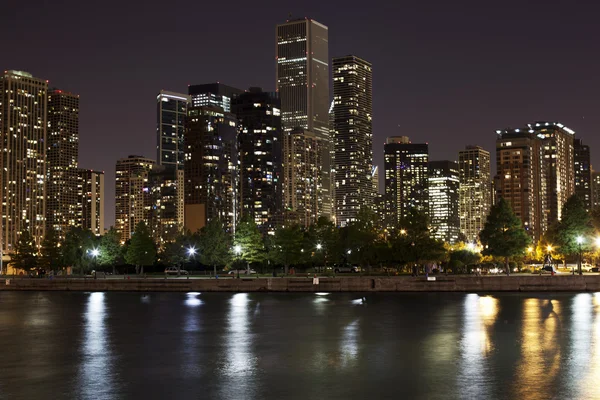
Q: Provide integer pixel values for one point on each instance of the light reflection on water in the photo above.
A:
(266, 346)
(95, 372)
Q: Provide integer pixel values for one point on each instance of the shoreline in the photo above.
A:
(544, 283)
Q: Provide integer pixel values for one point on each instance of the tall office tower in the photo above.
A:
(302, 178)
(163, 206)
(130, 198)
(171, 112)
(23, 124)
(521, 178)
(475, 197)
(91, 200)
(302, 54)
(444, 185)
(62, 192)
(595, 189)
(260, 157)
(559, 165)
(352, 136)
(211, 161)
(583, 173)
(406, 178)
(375, 180)
(213, 94)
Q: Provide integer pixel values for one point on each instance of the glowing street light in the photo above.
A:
(237, 249)
(530, 249)
(549, 248)
(598, 241)
(94, 252)
(191, 251)
(349, 251)
(320, 246)
(403, 231)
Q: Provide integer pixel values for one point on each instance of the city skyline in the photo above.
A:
(426, 102)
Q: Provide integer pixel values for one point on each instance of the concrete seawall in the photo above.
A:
(589, 283)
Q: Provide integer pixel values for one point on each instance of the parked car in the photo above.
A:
(548, 269)
(241, 272)
(347, 268)
(586, 267)
(173, 271)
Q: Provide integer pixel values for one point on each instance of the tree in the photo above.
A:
(249, 241)
(51, 258)
(575, 223)
(287, 246)
(360, 238)
(25, 252)
(75, 249)
(110, 250)
(176, 253)
(215, 245)
(141, 250)
(323, 241)
(459, 258)
(503, 234)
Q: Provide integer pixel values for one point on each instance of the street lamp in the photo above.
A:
(95, 252)
(349, 252)
(191, 251)
(237, 249)
(403, 231)
(579, 241)
(319, 246)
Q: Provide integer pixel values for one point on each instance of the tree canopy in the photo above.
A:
(575, 223)
(141, 250)
(214, 245)
(25, 256)
(249, 241)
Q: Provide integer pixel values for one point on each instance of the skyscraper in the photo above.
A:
(211, 168)
(170, 128)
(595, 189)
(130, 195)
(163, 204)
(260, 144)
(302, 54)
(536, 172)
(302, 177)
(475, 197)
(352, 136)
(213, 94)
(521, 179)
(62, 154)
(444, 200)
(91, 201)
(406, 178)
(583, 173)
(23, 127)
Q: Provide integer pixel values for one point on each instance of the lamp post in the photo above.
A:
(191, 252)
(579, 241)
(94, 253)
(549, 255)
(237, 249)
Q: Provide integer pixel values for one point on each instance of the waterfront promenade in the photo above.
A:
(443, 283)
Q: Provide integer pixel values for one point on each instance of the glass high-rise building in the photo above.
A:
(131, 195)
(302, 68)
(171, 112)
(211, 168)
(583, 173)
(260, 144)
(62, 202)
(406, 179)
(163, 204)
(23, 148)
(475, 197)
(352, 136)
(213, 94)
(595, 189)
(444, 200)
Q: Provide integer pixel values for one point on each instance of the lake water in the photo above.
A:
(299, 346)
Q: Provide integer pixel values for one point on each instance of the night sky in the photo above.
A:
(446, 72)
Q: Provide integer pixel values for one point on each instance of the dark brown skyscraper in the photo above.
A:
(583, 173)
(352, 136)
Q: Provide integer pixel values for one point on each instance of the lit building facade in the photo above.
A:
(91, 200)
(211, 168)
(352, 137)
(583, 173)
(302, 68)
(131, 196)
(595, 189)
(444, 185)
(302, 177)
(163, 204)
(536, 172)
(23, 134)
(406, 178)
(62, 204)
(475, 194)
(171, 113)
(260, 143)
(213, 94)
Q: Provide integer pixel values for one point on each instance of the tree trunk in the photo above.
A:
(215, 269)
(114, 270)
(507, 266)
(286, 269)
(142, 270)
(137, 269)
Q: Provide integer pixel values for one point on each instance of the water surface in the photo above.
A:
(299, 346)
